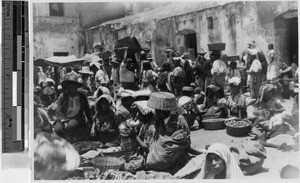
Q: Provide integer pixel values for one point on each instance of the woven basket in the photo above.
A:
(106, 162)
(238, 132)
(216, 46)
(116, 154)
(213, 124)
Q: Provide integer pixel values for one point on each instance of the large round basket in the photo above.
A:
(213, 123)
(236, 129)
(107, 162)
(116, 154)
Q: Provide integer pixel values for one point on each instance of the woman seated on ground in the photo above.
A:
(137, 135)
(219, 163)
(270, 99)
(236, 102)
(104, 128)
(171, 129)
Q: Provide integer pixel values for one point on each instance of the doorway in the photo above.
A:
(293, 39)
(191, 44)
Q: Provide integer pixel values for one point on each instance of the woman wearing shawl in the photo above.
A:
(236, 101)
(163, 80)
(219, 70)
(148, 77)
(104, 126)
(219, 163)
(255, 74)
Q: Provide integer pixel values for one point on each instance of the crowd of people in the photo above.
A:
(150, 110)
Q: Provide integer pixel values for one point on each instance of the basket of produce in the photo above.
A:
(213, 123)
(107, 162)
(237, 127)
(85, 146)
(113, 151)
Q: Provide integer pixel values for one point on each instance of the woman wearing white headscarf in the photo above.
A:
(219, 163)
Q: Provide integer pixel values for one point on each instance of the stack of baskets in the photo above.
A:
(108, 162)
(212, 122)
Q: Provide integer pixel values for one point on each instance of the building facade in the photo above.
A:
(192, 25)
(58, 28)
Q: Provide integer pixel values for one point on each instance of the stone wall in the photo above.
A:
(235, 24)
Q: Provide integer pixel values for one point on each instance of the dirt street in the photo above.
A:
(275, 158)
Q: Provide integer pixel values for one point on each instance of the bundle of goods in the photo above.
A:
(85, 146)
(116, 175)
(130, 43)
(238, 127)
(107, 162)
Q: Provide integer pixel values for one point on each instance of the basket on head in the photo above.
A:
(163, 101)
(106, 162)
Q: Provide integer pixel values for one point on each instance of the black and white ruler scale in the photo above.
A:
(15, 75)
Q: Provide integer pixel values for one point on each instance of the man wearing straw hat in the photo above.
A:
(85, 79)
(72, 110)
(101, 77)
(168, 123)
(199, 69)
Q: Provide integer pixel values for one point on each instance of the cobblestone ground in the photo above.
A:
(275, 158)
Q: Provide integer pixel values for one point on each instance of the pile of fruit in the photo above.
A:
(237, 123)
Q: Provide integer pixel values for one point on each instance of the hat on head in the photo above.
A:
(202, 52)
(163, 101)
(85, 70)
(96, 64)
(185, 55)
(169, 50)
(235, 80)
(70, 81)
(66, 83)
(188, 88)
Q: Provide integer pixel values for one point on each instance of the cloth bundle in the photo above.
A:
(166, 150)
(250, 156)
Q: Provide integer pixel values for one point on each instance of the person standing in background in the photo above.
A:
(273, 71)
(218, 70)
(199, 71)
(255, 74)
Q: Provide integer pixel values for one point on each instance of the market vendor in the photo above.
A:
(219, 163)
(48, 94)
(286, 76)
(72, 110)
(178, 77)
(270, 99)
(85, 79)
(148, 77)
(164, 78)
(236, 101)
(104, 128)
(123, 112)
(169, 128)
